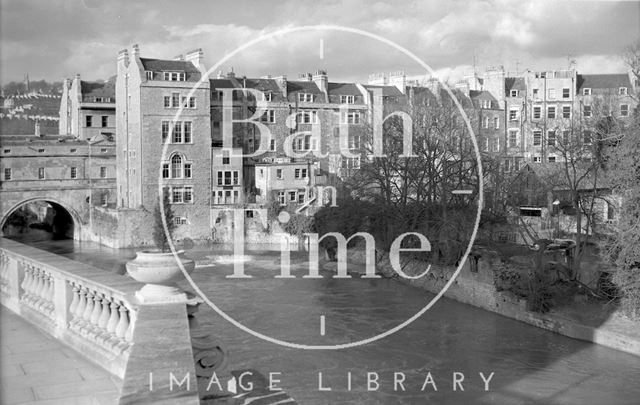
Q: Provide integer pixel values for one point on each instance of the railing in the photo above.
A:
(91, 310)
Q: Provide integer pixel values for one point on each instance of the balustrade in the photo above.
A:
(100, 317)
(38, 289)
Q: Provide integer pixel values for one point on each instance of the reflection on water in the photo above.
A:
(531, 365)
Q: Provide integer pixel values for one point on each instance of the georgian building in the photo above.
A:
(87, 108)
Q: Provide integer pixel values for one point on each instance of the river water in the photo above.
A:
(529, 365)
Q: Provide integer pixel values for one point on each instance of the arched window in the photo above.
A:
(176, 166)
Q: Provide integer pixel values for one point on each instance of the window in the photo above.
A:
(292, 196)
(586, 111)
(587, 138)
(176, 195)
(148, 74)
(485, 122)
(566, 92)
(496, 145)
(496, 122)
(513, 114)
(165, 130)
(41, 150)
(350, 118)
(537, 137)
(103, 172)
(165, 170)
(586, 91)
(167, 101)
(281, 198)
(269, 116)
(536, 93)
(624, 110)
(7, 173)
(506, 164)
(347, 99)
(351, 163)
(179, 220)
(302, 142)
(551, 111)
(486, 144)
(279, 175)
(74, 172)
(41, 172)
(225, 157)
(73, 150)
(228, 178)
(486, 104)
(272, 144)
(105, 121)
(551, 159)
(307, 117)
(300, 173)
(176, 166)
(551, 138)
(177, 132)
(175, 76)
(305, 97)
(513, 138)
(87, 121)
(187, 132)
(566, 111)
(9, 150)
(565, 137)
(537, 159)
(187, 103)
(104, 199)
(537, 112)
(187, 170)
(514, 93)
(622, 91)
(188, 195)
(552, 94)
(354, 141)
(267, 97)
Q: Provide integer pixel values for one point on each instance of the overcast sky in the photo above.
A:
(58, 38)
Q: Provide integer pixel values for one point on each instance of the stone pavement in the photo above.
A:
(37, 369)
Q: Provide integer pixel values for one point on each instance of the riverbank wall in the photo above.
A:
(475, 285)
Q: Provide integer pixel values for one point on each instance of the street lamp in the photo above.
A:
(556, 210)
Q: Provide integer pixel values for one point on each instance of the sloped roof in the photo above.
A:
(514, 83)
(302, 87)
(164, 65)
(603, 81)
(387, 91)
(98, 89)
(221, 84)
(343, 89)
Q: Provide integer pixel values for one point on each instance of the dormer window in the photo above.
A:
(485, 104)
(514, 93)
(148, 74)
(622, 91)
(305, 97)
(98, 99)
(175, 76)
(347, 99)
(586, 91)
(267, 97)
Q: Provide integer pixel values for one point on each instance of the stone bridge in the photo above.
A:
(70, 201)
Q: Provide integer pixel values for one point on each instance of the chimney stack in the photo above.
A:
(321, 80)
(196, 57)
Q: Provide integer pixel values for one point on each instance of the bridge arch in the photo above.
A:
(58, 206)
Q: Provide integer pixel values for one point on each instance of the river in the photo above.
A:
(529, 365)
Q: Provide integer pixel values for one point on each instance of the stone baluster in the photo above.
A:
(103, 321)
(50, 307)
(78, 321)
(121, 329)
(75, 300)
(86, 315)
(26, 283)
(95, 314)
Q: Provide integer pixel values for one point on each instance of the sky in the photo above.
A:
(55, 39)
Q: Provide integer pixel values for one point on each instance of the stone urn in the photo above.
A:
(160, 272)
